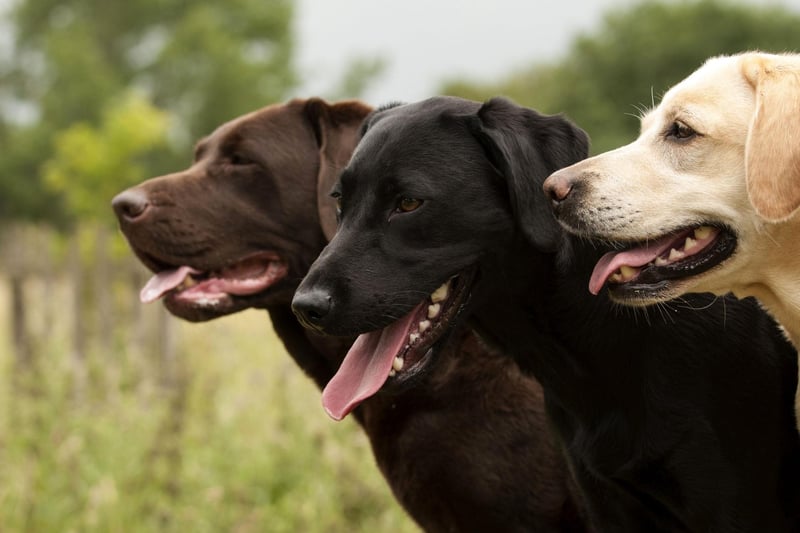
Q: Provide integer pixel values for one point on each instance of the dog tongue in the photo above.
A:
(164, 281)
(635, 257)
(366, 366)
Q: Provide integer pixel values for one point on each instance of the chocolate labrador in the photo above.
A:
(677, 420)
(240, 227)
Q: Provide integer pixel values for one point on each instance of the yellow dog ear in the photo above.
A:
(772, 152)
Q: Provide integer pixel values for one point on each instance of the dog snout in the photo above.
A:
(559, 186)
(130, 205)
(312, 307)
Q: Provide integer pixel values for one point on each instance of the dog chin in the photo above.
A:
(193, 311)
(210, 308)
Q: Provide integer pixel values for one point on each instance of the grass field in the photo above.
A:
(237, 442)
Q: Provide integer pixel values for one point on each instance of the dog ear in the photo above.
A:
(772, 151)
(525, 147)
(336, 128)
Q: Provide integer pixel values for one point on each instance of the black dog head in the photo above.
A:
(240, 227)
(434, 192)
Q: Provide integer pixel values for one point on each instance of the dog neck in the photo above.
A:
(770, 274)
(782, 301)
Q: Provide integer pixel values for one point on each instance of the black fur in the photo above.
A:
(674, 419)
(447, 451)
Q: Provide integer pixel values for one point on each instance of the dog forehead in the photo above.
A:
(713, 99)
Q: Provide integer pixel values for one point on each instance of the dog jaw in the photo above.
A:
(399, 353)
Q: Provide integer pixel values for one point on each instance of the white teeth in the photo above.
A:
(414, 337)
(440, 294)
(674, 255)
(397, 364)
(660, 262)
(703, 232)
(425, 324)
(627, 272)
(392, 372)
(433, 310)
(689, 244)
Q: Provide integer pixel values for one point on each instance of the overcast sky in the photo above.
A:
(427, 41)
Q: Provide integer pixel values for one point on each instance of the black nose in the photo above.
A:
(312, 307)
(130, 205)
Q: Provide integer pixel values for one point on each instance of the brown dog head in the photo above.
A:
(240, 227)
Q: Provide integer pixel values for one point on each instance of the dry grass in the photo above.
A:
(238, 441)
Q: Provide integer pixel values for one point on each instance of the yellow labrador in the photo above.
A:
(706, 199)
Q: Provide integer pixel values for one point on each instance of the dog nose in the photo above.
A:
(130, 205)
(558, 186)
(311, 307)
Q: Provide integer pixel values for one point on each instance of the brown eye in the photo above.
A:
(680, 131)
(408, 204)
(337, 198)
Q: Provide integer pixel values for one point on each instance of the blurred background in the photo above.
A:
(117, 417)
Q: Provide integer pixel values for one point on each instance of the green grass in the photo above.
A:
(237, 443)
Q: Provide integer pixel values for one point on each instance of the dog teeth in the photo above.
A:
(703, 232)
(392, 372)
(424, 325)
(660, 262)
(689, 244)
(414, 337)
(627, 272)
(675, 255)
(623, 274)
(440, 294)
(433, 310)
(397, 364)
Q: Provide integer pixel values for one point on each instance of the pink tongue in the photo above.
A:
(636, 257)
(366, 366)
(163, 282)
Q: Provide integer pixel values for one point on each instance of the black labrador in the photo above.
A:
(240, 227)
(676, 419)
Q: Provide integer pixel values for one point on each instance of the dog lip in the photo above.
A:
(393, 358)
(418, 356)
(217, 288)
(657, 282)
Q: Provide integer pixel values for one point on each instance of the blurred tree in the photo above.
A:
(611, 75)
(92, 156)
(205, 61)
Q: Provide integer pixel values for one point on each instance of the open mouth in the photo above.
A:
(648, 267)
(208, 289)
(398, 352)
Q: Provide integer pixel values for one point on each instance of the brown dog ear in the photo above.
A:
(336, 128)
(772, 151)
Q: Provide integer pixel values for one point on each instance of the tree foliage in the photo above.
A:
(609, 76)
(205, 61)
(90, 156)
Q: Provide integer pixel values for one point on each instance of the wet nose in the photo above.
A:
(558, 186)
(130, 205)
(311, 307)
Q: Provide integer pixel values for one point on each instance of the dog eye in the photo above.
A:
(406, 205)
(337, 197)
(239, 159)
(680, 131)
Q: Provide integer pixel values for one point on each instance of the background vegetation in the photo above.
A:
(117, 417)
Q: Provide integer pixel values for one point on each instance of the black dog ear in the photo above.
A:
(526, 147)
(336, 128)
